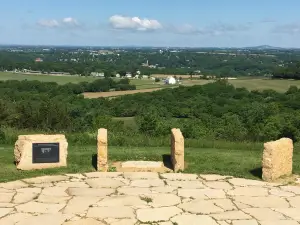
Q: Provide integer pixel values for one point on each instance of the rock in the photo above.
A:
(5, 211)
(12, 219)
(200, 207)
(103, 175)
(147, 183)
(193, 220)
(46, 179)
(245, 182)
(164, 189)
(295, 202)
(124, 222)
(134, 191)
(53, 199)
(122, 201)
(231, 215)
(88, 221)
(177, 149)
(280, 193)
(292, 189)
(24, 152)
(104, 183)
(202, 193)
(117, 212)
(277, 159)
(26, 195)
(263, 202)
(160, 200)
(96, 192)
(263, 214)
(72, 184)
(290, 212)
(179, 176)
(248, 191)
(79, 205)
(218, 185)
(244, 222)
(213, 177)
(157, 214)
(279, 222)
(6, 197)
(102, 156)
(46, 219)
(55, 191)
(36, 207)
(141, 175)
(13, 185)
(186, 184)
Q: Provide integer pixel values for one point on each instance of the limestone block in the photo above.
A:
(277, 159)
(177, 149)
(23, 151)
(102, 158)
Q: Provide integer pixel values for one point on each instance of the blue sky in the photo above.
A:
(190, 23)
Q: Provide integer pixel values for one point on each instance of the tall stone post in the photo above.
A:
(102, 157)
(177, 149)
(277, 159)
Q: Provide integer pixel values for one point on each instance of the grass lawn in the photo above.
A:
(45, 78)
(236, 162)
(255, 84)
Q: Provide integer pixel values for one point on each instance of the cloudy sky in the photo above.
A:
(190, 23)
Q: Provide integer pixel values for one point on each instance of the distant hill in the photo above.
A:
(264, 47)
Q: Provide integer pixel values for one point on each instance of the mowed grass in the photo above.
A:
(235, 162)
(254, 84)
(45, 78)
(251, 84)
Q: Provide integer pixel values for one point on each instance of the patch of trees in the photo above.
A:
(292, 71)
(216, 111)
(222, 64)
(99, 85)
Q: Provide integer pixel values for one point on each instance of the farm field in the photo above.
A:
(251, 84)
(45, 78)
(232, 161)
(117, 93)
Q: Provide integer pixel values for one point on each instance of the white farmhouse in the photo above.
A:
(170, 80)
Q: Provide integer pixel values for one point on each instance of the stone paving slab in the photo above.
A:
(136, 198)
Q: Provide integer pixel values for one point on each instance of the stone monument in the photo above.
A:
(177, 149)
(102, 161)
(41, 151)
(277, 159)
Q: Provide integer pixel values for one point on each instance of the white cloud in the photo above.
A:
(69, 21)
(48, 23)
(53, 23)
(134, 23)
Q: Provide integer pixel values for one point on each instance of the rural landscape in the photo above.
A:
(188, 115)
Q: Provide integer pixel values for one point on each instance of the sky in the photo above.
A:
(166, 23)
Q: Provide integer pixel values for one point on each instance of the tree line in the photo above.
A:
(215, 111)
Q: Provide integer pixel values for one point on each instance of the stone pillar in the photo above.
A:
(102, 161)
(40, 151)
(177, 149)
(277, 159)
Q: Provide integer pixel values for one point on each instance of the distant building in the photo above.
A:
(96, 74)
(170, 80)
(38, 60)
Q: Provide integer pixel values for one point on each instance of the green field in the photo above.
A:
(251, 84)
(45, 78)
(227, 161)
